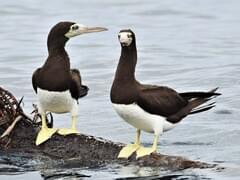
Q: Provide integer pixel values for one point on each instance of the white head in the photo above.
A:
(126, 37)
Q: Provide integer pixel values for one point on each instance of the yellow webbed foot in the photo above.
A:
(143, 151)
(128, 150)
(45, 134)
(65, 131)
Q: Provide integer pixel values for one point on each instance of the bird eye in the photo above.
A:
(75, 27)
(129, 35)
(119, 36)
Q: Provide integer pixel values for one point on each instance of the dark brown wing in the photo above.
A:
(160, 100)
(34, 79)
(76, 88)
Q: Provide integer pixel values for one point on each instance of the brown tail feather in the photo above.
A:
(195, 105)
(202, 109)
(191, 95)
(196, 99)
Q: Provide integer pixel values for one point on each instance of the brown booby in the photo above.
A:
(150, 108)
(57, 86)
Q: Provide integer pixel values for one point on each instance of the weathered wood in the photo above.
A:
(82, 150)
(88, 150)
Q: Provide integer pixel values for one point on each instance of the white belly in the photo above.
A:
(56, 102)
(140, 119)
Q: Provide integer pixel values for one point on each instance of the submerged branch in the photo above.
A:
(82, 150)
(11, 127)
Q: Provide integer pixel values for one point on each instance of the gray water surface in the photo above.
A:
(187, 45)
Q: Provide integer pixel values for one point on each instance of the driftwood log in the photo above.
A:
(19, 133)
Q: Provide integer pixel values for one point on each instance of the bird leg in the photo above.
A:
(72, 130)
(143, 151)
(45, 133)
(128, 150)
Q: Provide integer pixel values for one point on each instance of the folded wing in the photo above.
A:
(174, 106)
(76, 88)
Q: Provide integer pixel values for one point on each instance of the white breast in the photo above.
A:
(140, 119)
(57, 102)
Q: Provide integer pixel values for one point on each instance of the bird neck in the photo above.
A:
(57, 54)
(56, 44)
(127, 63)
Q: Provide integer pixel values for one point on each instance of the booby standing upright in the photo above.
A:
(153, 109)
(57, 86)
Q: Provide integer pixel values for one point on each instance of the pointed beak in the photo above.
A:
(92, 29)
(86, 29)
(82, 29)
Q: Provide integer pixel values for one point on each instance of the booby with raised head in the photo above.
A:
(150, 108)
(57, 86)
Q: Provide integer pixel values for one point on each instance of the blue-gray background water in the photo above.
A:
(187, 45)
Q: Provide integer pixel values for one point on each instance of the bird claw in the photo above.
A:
(65, 131)
(128, 150)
